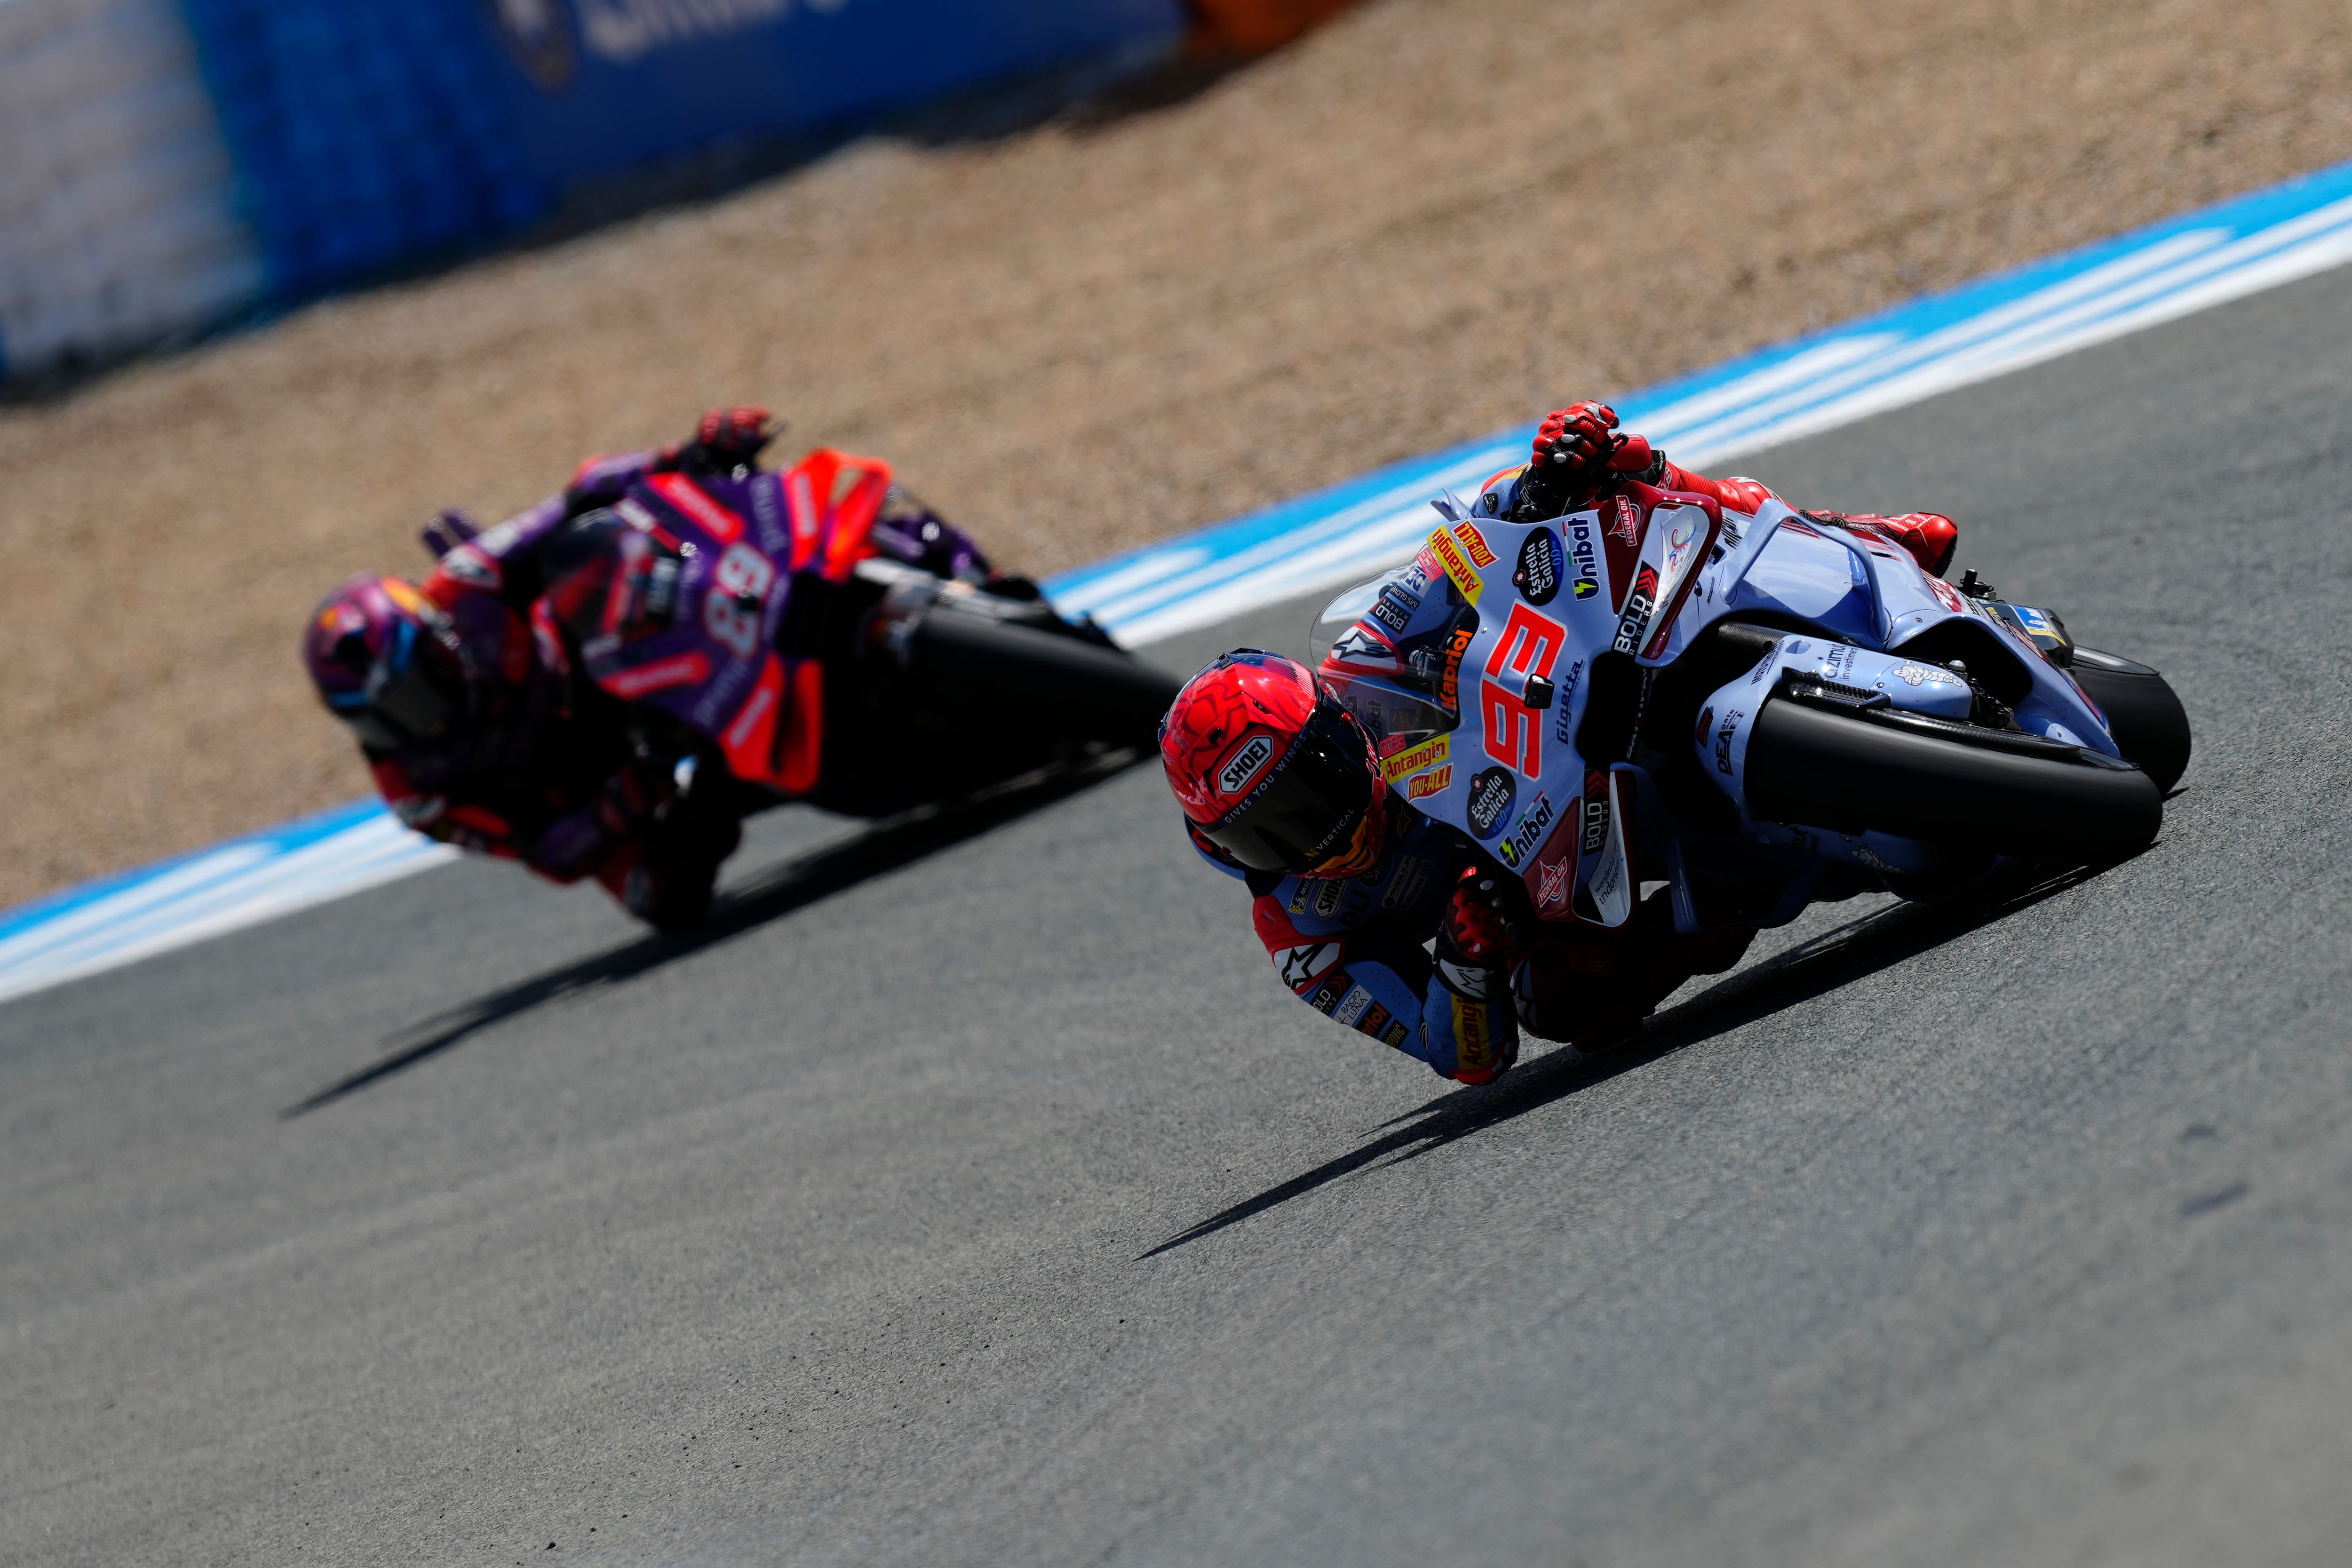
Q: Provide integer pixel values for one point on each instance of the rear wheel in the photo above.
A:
(1946, 782)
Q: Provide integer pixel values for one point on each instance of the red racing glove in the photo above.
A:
(726, 439)
(1573, 447)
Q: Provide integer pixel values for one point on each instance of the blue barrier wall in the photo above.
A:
(367, 132)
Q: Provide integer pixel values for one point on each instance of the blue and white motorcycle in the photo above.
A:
(1758, 712)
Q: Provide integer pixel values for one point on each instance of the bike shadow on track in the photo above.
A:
(1836, 958)
(885, 846)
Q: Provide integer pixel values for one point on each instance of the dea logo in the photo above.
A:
(538, 38)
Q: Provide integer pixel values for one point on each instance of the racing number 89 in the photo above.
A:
(738, 593)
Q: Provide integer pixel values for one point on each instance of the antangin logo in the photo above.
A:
(1413, 759)
(1448, 552)
(1244, 764)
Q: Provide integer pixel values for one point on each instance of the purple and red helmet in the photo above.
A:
(386, 662)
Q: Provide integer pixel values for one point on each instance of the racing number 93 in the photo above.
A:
(738, 590)
(1530, 644)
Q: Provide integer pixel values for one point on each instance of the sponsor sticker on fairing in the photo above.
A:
(1448, 552)
(1564, 702)
(1492, 793)
(1731, 717)
(1243, 764)
(1538, 576)
(1413, 759)
(1596, 811)
(1528, 833)
(1638, 607)
(1421, 787)
(1476, 544)
(1584, 562)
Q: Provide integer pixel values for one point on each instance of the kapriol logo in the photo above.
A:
(1243, 764)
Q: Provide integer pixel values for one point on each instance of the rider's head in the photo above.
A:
(1271, 769)
(386, 662)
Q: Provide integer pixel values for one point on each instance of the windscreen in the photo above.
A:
(1393, 685)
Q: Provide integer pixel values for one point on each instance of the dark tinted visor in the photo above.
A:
(1307, 810)
(404, 704)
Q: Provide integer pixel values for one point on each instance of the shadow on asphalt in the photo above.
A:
(794, 885)
(1833, 959)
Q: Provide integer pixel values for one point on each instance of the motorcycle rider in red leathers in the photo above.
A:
(1281, 787)
(464, 701)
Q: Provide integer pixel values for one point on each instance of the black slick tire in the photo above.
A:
(1817, 768)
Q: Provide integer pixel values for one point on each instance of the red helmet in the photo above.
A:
(386, 662)
(1271, 769)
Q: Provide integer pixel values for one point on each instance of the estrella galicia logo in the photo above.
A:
(1491, 795)
(1244, 764)
(538, 36)
(1538, 578)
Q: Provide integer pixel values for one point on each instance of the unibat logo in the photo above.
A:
(1596, 811)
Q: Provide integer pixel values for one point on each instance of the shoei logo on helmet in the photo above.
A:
(1491, 795)
(1243, 766)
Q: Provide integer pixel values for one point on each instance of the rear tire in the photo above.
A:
(2146, 718)
(1021, 681)
(1821, 769)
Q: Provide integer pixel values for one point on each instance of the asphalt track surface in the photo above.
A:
(976, 1196)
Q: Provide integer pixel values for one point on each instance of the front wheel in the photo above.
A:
(1944, 782)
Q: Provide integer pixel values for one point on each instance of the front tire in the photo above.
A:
(2143, 715)
(1817, 768)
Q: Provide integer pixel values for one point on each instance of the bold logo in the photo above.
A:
(1412, 759)
(1731, 718)
(1244, 764)
(1596, 811)
(1394, 609)
(1528, 833)
(1638, 606)
(1448, 552)
(1429, 784)
(1476, 544)
(1491, 795)
(1326, 995)
(1538, 578)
